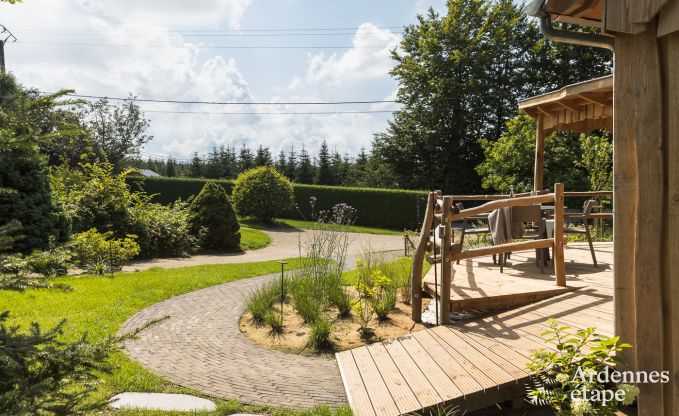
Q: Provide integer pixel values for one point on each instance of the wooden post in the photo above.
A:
(670, 254)
(418, 259)
(539, 152)
(446, 263)
(559, 261)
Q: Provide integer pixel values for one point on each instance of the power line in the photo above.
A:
(318, 29)
(274, 35)
(208, 46)
(272, 113)
(150, 100)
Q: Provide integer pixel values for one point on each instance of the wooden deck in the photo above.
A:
(478, 284)
(479, 362)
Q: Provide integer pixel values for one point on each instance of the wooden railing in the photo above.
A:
(441, 210)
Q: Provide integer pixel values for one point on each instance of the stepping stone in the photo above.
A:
(161, 401)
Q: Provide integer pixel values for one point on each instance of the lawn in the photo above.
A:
(285, 222)
(99, 305)
(251, 239)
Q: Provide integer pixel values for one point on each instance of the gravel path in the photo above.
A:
(284, 244)
(201, 347)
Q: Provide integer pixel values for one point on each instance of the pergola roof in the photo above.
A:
(580, 12)
(580, 107)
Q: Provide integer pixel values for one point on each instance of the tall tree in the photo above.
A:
(291, 169)
(170, 168)
(119, 131)
(281, 164)
(460, 78)
(324, 172)
(305, 169)
(196, 168)
(263, 156)
(25, 193)
(245, 159)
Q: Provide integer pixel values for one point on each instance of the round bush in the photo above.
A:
(212, 217)
(262, 193)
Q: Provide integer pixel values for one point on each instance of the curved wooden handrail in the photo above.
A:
(418, 260)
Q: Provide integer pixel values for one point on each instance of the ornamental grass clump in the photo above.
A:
(319, 334)
(260, 302)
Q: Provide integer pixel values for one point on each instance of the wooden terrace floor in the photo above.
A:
(479, 362)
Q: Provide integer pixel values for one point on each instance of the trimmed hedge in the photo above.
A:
(385, 208)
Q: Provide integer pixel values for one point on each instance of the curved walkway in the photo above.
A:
(284, 244)
(201, 347)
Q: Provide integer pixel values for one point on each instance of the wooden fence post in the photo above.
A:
(446, 261)
(559, 261)
(418, 259)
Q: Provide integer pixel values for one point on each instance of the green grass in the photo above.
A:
(284, 222)
(99, 305)
(251, 239)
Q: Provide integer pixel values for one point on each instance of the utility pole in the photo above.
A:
(5, 36)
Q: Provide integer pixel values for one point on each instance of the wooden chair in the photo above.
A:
(584, 218)
(528, 223)
(466, 225)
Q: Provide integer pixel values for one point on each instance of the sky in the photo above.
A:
(255, 51)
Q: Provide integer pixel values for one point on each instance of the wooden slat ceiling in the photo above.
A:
(581, 107)
(581, 12)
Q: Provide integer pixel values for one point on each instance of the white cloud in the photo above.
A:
(146, 65)
(362, 61)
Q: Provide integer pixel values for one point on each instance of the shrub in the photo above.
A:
(573, 366)
(94, 197)
(211, 213)
(319, 334)
(164, 230)
(262, 193)
(54, 262)
(97, 252)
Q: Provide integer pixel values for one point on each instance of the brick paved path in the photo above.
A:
(202, 348)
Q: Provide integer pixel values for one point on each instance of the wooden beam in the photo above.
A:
(447, 263)
(503, 203)
(418, 261)
(503, 248)
(538, 169)
(559, 261)
(568, 106)
(543, 111)
(592, 98)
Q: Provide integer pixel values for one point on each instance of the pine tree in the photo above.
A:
(339, 168)
(305, 169)
(170, 168)
(324, 174)
(263, 157)
(291, 170)
(281, 164)
(213, 170)
(245, 159)
(196, 168)
(227, 162)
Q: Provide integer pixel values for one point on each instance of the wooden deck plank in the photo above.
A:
(378, 392)
(454, 370)
(398, 387)
(359, 400)
(411, 372)
(443, 385)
